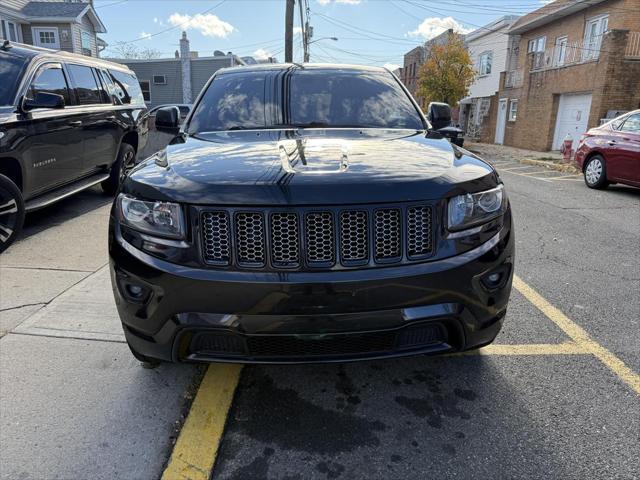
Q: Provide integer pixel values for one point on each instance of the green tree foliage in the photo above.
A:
(447, 73)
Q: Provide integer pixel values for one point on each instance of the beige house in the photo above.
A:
(60, 25)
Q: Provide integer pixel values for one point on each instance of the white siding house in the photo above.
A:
(488, 47)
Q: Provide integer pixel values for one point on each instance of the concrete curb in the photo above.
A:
(560, 167)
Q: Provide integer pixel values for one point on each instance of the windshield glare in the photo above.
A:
(313, 98)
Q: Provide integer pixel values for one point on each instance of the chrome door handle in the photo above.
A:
(75, 124)
(612, 142)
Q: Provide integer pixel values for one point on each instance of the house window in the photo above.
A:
(484, 63)
(10, 31)
(595, 29)
(536, 44)
(513, 110)
(85, 43)
(46, 37)
(561, 51)
(159, 80)
(145, 86)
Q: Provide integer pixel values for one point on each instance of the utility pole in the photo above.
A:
(305, 38)
(288, 31)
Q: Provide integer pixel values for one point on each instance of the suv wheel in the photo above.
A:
(595, 173)
(11, 212)
(120, 169)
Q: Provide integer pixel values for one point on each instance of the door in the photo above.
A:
(572, 118)
(501, 121)
(53, 147)
(623, 160)
(46, 37)
(99, 126)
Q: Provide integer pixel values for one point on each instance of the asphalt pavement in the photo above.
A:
(554, 397)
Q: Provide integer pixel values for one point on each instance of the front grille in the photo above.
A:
(313, 238)
(354, 241)
(250, 238)
(223, 343)
(285, 251)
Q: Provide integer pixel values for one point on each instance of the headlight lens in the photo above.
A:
(157, 218)
(474, 208)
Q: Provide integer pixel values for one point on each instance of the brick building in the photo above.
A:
(574, 62)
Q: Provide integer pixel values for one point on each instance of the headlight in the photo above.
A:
(157, 218)
(474, 208)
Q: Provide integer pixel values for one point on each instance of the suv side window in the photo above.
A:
(631, 124)
(50, 79)
(127, 88)
(84, 81)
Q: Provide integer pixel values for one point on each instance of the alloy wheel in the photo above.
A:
(593, 171)
(128, 162)
(9, 215)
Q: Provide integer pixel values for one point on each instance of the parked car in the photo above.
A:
(319, 219)
(610, 153)
(439, 115)
(67, 122)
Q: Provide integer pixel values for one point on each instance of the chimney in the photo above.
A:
(177, 54)
(185, 60)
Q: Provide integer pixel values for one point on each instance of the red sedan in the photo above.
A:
(610, 153)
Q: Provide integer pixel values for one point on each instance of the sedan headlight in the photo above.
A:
(474, 208)
(163, 219)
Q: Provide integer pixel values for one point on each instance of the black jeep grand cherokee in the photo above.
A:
(308, 213)
(67, 122)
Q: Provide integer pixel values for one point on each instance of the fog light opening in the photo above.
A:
(132, 291)
(496, 278)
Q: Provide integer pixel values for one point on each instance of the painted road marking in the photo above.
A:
(567, 348)
(522, 167)
(195, 451)
(579, 335)
(526, 176)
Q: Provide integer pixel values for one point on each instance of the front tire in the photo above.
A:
(120, 169)
(11, 212)
(595, 173)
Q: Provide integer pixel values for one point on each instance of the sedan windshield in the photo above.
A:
(310, 99)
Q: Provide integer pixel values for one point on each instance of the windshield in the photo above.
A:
(311, 98)
(11, 68)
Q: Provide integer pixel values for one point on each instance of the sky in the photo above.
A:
(372, 32)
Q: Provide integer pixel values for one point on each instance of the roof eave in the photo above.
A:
(561, 12)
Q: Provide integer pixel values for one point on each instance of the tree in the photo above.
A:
(447, 72)
(129, 51)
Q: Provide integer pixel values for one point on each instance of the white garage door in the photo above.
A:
(573, 115)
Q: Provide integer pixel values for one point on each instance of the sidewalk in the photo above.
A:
(489, 151)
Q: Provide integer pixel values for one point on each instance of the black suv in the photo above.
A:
(67, 122)
(309, 213)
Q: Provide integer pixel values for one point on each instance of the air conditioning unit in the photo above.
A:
(159, 80)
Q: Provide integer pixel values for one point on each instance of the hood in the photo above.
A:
(315, 167)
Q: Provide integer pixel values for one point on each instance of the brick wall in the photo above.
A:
(612, 80)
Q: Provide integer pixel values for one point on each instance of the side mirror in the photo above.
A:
(168, 118)
(439, 115)
(43, 100)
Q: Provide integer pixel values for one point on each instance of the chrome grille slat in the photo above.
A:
(216, 238)
(250, 238)
(419, 228)
(285, 239)
(316, 238)
(388, 234)
(354, 238)
(319, 238)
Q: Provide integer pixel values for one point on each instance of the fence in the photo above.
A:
(633, 45)
(565, 53)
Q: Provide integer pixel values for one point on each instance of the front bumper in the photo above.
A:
(200, 314)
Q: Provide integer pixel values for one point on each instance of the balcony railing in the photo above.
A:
(633, 45)
(567, 53)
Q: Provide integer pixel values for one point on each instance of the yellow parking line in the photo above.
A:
(568, 348)
(195, 451)
(526, 176)
(579, 335)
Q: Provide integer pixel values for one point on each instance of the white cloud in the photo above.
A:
(347, 2)
(208, 25)
(158, 21)
(262, 54)
(145, 35)
(434, 26)
(391, 66)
